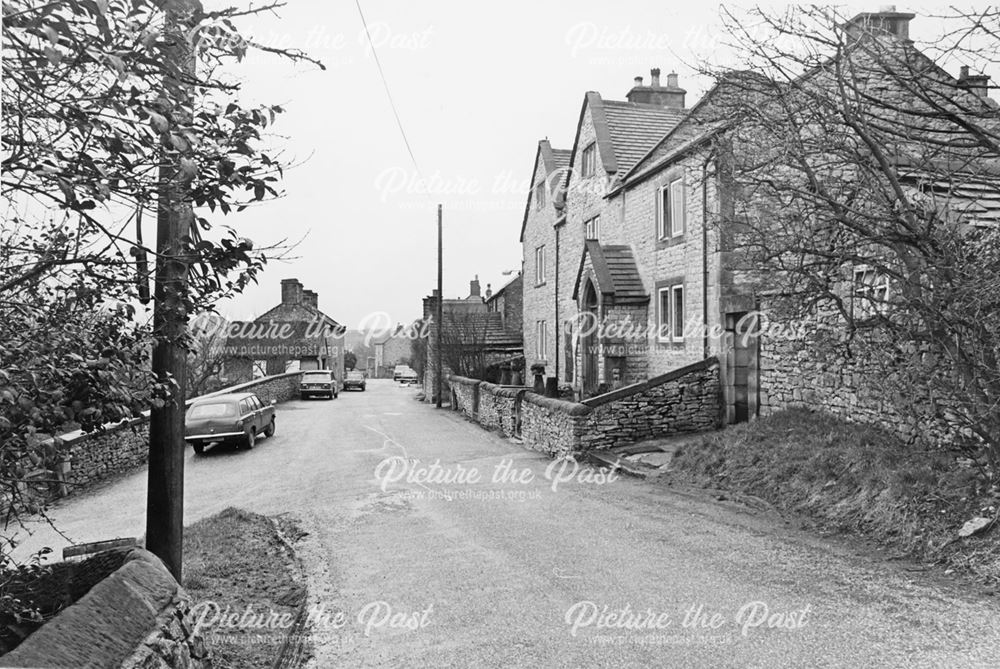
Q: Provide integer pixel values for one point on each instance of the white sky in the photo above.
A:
(476, 86)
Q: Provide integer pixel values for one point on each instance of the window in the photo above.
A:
(244, 407)
(588, 161)
(592, 228)
(539, 265)
(670, 314)
(670, 209)
(677, 313)
(540, 195)
(541, 339)
(871, 293)
(215, 410)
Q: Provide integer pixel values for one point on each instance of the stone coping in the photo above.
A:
(105, 626)
(77, 436)
(635, 388)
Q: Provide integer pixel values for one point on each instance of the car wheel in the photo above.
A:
(269, 430)
(199, 447)
(251, 439)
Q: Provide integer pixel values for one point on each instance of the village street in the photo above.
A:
(517, 574)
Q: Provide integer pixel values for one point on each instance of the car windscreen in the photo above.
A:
(208, 410)
(355, 375)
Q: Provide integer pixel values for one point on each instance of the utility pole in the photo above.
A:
(440, 317)
(165, 490)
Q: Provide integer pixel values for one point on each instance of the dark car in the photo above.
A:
(235, 417)
(354, 380)
(318, 383)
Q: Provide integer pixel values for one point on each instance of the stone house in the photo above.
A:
(391, 350)
(611, 136)
(640, 250)
(474, 339)
(293, 334)
(508, 302)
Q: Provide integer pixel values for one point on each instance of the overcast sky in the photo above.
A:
(476, 86)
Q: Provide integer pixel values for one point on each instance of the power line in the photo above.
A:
(385, 84)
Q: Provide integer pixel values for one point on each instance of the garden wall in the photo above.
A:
(136, 617)
(684, 400)
(82, 459)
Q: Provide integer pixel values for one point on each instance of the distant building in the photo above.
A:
(391, 350)
(474, 339)
(507, 302)
(293, 335)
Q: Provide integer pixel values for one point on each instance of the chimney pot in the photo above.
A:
(672, 80)
(654, 75)
(638, 81)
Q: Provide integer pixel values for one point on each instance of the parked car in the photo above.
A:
(409, 377)
(235, 417)
(318, 383)
(399, 371)
(355, 380)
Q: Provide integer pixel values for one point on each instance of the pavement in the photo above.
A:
(441, 544)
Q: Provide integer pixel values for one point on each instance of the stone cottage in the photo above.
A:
(634, 239)
(474, 339)
(295, 334)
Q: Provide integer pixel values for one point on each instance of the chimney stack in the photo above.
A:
(474, 287)
(975, 83)
(310, 298)
(670, 96)
(291, 291)
(886, 21)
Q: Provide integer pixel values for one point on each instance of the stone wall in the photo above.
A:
(87, 458)
(136, 617)
(684, 400)
(552, 426)
(813, 369)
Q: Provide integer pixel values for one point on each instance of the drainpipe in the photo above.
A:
(556, 328)
(704, 252)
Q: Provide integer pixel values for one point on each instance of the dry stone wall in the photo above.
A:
(83, 459)
(682, 401)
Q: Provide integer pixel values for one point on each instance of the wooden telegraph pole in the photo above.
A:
(439, 316)
(165, 491)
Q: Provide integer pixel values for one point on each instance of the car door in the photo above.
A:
(246, 413)
(258, 413)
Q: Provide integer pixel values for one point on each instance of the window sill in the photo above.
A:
(539, 285)
(666, 242)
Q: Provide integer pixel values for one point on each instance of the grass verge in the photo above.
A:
(236, 562)
(858, 480)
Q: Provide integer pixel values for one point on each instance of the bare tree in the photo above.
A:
(864, 192)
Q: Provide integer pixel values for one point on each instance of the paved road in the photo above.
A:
(518, 574)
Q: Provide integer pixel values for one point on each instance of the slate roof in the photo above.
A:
(561, 158)
(615, 271)
(483, 327)
(635, 128)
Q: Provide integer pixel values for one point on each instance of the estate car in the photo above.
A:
(234, 417)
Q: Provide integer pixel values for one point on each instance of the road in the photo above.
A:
(523, 573)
